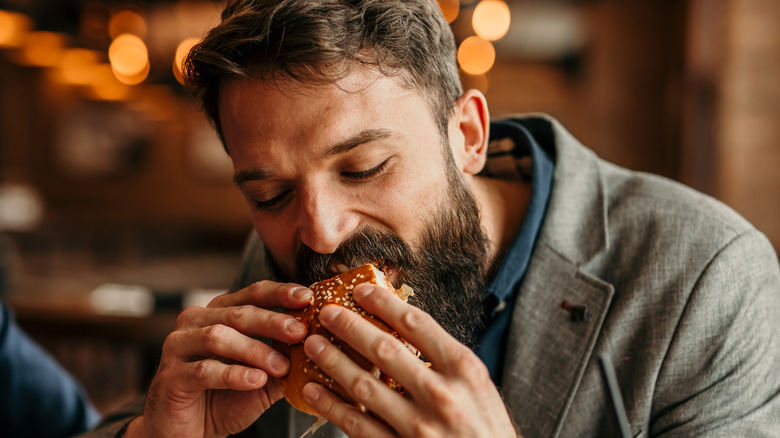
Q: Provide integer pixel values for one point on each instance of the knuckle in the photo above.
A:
(352, 423)
(352, 324)
(363, 388)
(256, 350)
(187, 315)
(255, 290)
(212, 335)
(387, 348)
(415, 319)
(465, 363)
(233, 374)
(329, 360)
(201, 371)
(439, 394)
(276, 320)
(237, 316)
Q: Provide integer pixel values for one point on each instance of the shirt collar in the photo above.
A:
(510, 141)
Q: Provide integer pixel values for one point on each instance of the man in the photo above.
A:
(352, 141)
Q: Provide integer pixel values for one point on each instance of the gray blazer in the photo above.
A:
(683, 295)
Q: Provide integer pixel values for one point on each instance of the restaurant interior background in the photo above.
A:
(116, 202)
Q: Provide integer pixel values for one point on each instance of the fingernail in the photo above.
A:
(329, 313)
(311, 392)
(301, 294)
(278, 362)
(255, 377)
(294, 327)
(363, 290)
(314, 345)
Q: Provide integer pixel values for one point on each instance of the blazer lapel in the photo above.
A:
(549, 345)
(547, 349)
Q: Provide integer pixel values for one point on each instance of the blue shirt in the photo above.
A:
(37, 397)
(513, 153)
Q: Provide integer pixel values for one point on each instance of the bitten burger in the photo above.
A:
(335, 290)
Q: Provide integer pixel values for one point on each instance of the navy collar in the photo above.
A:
(513, 266)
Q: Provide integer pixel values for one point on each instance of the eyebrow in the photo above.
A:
(361, 138)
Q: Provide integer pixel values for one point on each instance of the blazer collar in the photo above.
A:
(576, 222)
(548, 346)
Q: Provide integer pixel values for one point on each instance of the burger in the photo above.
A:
(335, 290)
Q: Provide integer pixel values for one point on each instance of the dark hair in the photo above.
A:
(320, 41)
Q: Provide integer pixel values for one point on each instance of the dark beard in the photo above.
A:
(447, 271)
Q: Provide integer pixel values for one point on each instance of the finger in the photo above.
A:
(266, 294)
(362, 385)
(226, 344)
(351, 420)
(247, 319)
(213, 374)
(414, 325)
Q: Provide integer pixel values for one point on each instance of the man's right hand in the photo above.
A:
(215, 378)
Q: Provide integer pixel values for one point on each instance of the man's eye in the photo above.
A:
(366, 174)
(274, 203)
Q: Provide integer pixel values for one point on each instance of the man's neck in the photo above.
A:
(503, 205)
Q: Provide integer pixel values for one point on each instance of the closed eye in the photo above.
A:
(274, 203)
(366, 175)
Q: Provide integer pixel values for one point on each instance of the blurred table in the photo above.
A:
(113, 356)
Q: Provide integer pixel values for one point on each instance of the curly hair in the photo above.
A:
(321, 41)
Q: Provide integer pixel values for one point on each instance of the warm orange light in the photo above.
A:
(127, 21)
(133, 79)
(106, 86)
(13, 29)
(78, 66)
(450, 9)
(491, 19)
(476, 55)
(182, 51)
(129, 58)
(42, 49)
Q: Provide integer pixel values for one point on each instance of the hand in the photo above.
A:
(213, 379)
(454, 397)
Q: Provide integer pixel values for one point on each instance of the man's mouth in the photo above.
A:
(390, 271)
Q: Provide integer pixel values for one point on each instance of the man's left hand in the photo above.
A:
(453, 397)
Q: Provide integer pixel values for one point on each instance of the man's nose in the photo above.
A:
(325, 220)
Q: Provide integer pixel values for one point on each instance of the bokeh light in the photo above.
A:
(106, 86)
(13, 29)
(78, 66)
(41, 49)
(491, 19)
(450, 9)
(129, 58)
(476, 56)
(127, 21)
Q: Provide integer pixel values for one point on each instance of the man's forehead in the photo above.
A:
(359, 79)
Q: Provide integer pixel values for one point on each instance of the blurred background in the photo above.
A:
(116, 202)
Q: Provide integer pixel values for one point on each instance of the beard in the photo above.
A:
(447, 270)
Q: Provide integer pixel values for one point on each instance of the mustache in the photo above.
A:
(366, 245)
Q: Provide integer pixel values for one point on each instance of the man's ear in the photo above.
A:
(472, 126)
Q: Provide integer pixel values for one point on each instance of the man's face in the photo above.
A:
(354, 173)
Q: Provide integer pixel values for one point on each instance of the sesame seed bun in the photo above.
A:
(335, 290)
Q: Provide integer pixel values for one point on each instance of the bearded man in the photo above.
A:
(352, 141)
